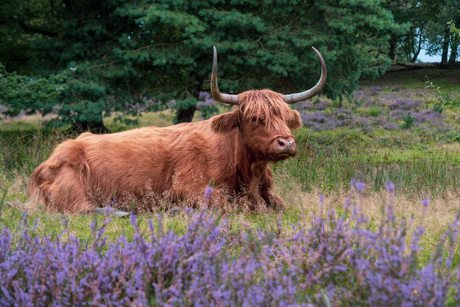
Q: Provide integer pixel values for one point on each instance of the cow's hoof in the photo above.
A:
(276, 202)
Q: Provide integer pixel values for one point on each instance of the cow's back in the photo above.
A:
(177, 159)
(139, 159)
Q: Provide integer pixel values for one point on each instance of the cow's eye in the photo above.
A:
(257, 120)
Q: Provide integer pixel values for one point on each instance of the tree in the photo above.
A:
(405, 43)
(29, 93)
(438, 35)
(117, 54)
(266, 44)
(22, 22)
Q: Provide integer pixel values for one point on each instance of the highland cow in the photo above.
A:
(178, 162)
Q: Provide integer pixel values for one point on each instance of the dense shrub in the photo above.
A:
(338, 259)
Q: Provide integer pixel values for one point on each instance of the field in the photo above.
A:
(402, 128)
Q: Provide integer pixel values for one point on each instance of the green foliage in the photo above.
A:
(443, 98)
(126, 56)
(427, 29)
(406, 45)
(437, 108)
(22, 151)
(438, 37)
(408, 121)
(374, 112)
(23, 24)
(208, 111)
(453, 28)
(21, 92)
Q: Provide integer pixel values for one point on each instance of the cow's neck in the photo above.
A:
(251, 169)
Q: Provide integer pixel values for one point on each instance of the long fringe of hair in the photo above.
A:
(264, 104)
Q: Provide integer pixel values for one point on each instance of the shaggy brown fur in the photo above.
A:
(178, 162)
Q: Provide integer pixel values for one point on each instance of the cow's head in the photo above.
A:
(263, 117)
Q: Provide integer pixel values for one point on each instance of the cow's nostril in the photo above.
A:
(285, 145)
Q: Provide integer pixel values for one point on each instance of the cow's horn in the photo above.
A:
(293, 98)
(216, 94)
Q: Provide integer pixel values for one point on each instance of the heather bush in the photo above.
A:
(400, 114)
(321, 105)
(375, 108)
(390, 126)
(404, 104)
(327, 121)
(329, 258)
(374, 90)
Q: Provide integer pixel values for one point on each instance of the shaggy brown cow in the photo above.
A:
(178, 162)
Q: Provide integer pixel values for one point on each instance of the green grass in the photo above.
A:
(148, 119)
(50, 225)
(421, 163)
(329, 160)
(325, 160)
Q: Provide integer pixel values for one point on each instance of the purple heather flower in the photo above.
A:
(390, 126)
(133, 219)
(407, 104)
(304, 105)
(321, 198)
(204, 95)
(359, 94)
(113, 201)
(360, 186)
(425, 202)
(374, 90)
(352, 184)
(266, 266)
(390, 186)
(322, 105)
(207, 193)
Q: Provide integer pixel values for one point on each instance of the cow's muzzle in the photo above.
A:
(284, 147)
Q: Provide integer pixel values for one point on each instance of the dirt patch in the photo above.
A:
(27, 118)
(454, 79)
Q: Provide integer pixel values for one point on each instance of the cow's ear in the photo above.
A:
(225, 122)
(294, 122)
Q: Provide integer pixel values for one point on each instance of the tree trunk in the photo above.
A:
(453, 53)
(445, 47)
(392, 52)
(94, 127)
(419, 47)
(185, 115)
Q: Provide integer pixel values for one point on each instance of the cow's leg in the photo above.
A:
(266, 191)
(255, 196)
(261, 187)
(196, 198)
(192, 190)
